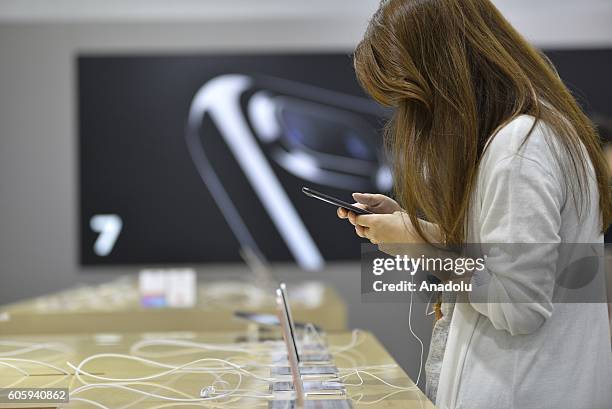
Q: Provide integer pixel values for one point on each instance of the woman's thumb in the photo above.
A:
(366, 198)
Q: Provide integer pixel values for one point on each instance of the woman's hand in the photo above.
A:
(389, 225)
(392, 228)
(373, 202)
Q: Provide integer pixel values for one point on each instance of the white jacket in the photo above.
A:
(527, 355)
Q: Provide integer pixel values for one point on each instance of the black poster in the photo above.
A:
(187, 159)
(587, 74)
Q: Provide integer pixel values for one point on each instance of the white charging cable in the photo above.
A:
(125, 387)
(89, 401)
(360, 401)
(23, 372)
(136, 349)
(32, 361)
(26, 347)
(359, 372)
(355, 340)
(414, 334)
(171, 368)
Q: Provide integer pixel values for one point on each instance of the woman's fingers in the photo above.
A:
(366, 220)
(352, 217)
(370, 199)
(361, 222)
(344, 214)
(361, 231)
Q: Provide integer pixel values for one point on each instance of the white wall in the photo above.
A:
(549, 23)
(561, 23)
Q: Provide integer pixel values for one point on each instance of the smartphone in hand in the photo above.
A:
(334, 201)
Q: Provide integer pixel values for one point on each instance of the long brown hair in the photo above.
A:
(456, 71)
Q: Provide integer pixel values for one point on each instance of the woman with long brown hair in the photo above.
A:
(489, 146)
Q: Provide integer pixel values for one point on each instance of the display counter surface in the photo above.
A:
(116, 306)
(235, 367)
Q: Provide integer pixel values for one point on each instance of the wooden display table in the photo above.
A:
(115, 306)
(349, 350)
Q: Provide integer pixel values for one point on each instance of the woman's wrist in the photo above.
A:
(431, 231)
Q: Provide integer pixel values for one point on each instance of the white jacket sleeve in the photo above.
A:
(521, 211)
